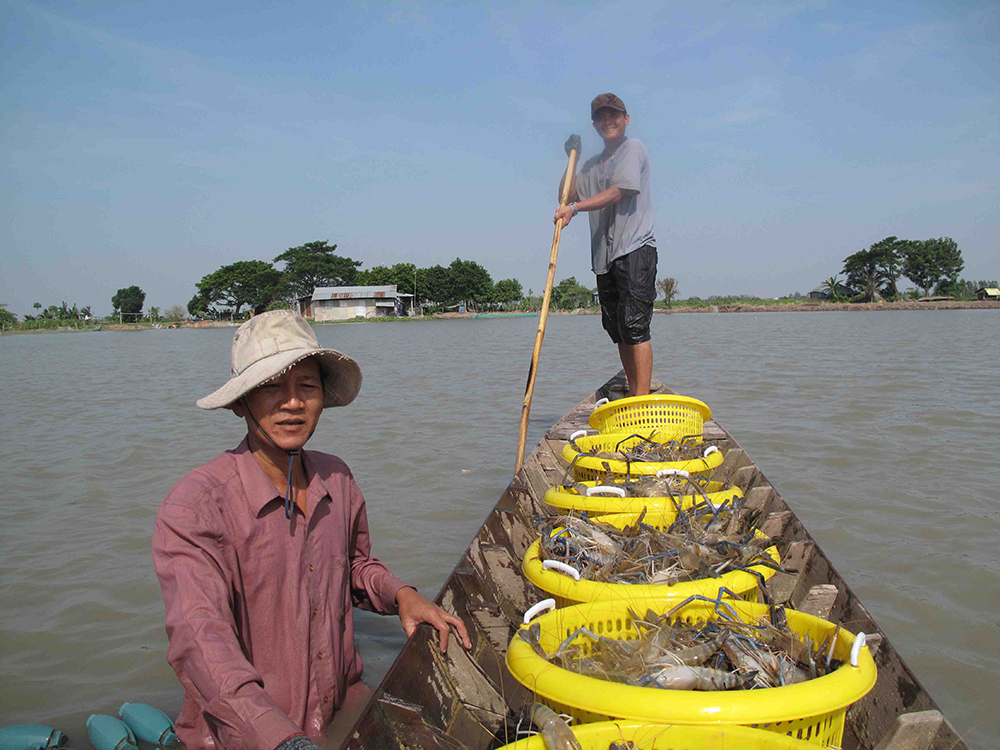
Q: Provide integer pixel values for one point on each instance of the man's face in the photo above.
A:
(287, 408)
(610, 124)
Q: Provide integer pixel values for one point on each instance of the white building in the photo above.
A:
(346, 302)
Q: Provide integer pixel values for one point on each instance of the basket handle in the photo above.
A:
(591, 491)
(859, 643)
(709, 451)
(542, 606)
(601, 402)
(672, 473)
(578, 433)
(562, 568)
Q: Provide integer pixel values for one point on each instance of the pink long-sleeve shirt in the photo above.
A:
(259, 607)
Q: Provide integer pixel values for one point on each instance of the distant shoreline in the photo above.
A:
(822, 306)
(731, 308)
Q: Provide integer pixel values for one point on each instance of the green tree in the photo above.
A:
(154, 313)
(434, 284)
(888, 257)
(128, 301)
(668, 287)
(37, 306)
(507, 292)
(197, 306)
(469, 282)
(933, 262)
(315, 264)
(246, 282)
(863, 272)
(7, 318)
(402, 274)
(568, 294)
(374, 276)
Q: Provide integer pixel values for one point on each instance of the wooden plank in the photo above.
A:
(759, 498)
(914, 731)
(712, 430)
(373, 731)
(795, 559)
(774, 524)
(819, 601)
(575, 420)
(743, 477)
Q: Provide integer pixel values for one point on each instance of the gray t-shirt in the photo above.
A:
(627, 225)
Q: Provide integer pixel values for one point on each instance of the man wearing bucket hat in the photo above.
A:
(262, 552)
(613, 187)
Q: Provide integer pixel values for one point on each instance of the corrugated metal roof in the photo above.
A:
(353, 292)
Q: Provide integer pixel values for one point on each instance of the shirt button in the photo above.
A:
(315, 611)
(326, 699)
(319, 655)
(310, 568)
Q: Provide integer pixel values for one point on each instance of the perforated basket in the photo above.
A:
(600, 735)
(568, 589)
(591, 468)
(673, 416)
(600, 504)
(812, 710)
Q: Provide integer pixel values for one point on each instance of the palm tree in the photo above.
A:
(830, 288)
(871, 280)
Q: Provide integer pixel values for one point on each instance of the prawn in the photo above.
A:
(683, 677)
(555, 732)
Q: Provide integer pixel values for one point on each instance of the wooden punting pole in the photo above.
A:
(544, 315)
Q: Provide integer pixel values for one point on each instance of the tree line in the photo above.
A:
(295, 273)
(933, 264)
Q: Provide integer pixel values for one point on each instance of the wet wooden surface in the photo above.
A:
(460, 699)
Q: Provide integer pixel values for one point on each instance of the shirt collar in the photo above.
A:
(258, 488)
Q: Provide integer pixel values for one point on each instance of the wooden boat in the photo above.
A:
(459, 699)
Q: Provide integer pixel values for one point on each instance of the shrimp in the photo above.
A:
(530, 635)
(683, 677)
(692, 655)
(555, 732)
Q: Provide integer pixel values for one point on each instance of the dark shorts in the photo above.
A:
(627, 292)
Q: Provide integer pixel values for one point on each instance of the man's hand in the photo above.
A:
(572, 144)
(565, 213)
(415, 608)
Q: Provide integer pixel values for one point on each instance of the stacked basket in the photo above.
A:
(624, 423)
(812, 711)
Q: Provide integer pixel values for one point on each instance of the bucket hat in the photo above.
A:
(270, 343)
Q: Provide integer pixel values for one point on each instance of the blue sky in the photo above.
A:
(151, 143)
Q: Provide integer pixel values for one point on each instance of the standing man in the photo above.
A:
(614, 188)
(263, 552)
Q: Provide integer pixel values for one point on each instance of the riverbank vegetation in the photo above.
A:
(231, 292)
(933, 265)
(295, 273)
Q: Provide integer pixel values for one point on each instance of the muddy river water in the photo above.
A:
(880, 429)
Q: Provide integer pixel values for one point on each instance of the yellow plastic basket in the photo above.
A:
(568, 590)
(812, 710)
(600, 735)
(596, 505)
(673, 416)
(590, 468)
